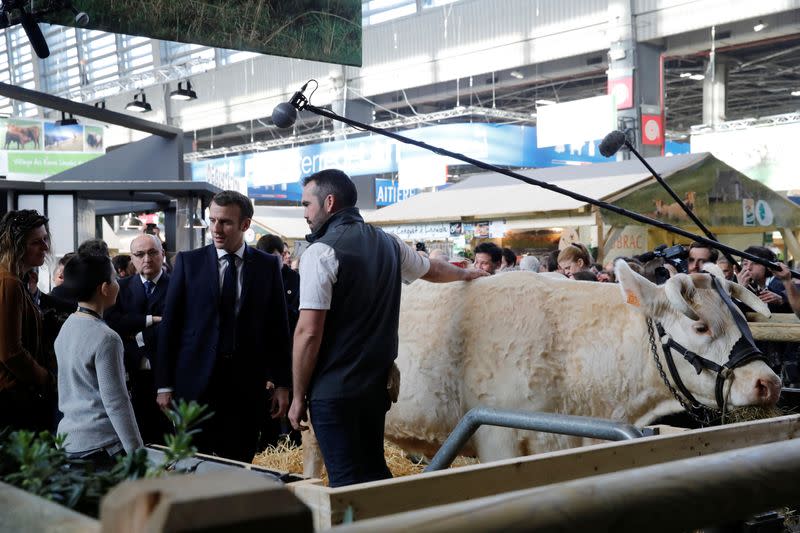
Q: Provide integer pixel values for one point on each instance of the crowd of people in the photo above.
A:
(233, 326)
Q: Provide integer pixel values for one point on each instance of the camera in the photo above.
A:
(674, 255)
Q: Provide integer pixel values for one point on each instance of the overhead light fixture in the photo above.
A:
(139, 106)
(795, 93)
(71, 121)
(132, 222)
(697, 77)
(196, 223)
(516, 74)
(545, 102)
(686, 74)
(760, 26)
(183, 94)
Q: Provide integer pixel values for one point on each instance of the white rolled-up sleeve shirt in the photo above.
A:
(319, 269)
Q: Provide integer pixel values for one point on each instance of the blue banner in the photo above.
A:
(276, 175)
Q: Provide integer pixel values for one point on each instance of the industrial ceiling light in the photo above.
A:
(71, 121)
(545, 102)
(183, 94)
(760, 26)
(139, 106)
(697, 77)
(132, 222)
(196, 223)
(516, 74)
(795, 93)
(686, 74)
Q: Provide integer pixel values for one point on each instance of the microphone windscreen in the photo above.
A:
(34, 33)
(612, 143)
(284, 115)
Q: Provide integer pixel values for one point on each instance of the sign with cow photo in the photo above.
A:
(94, 139)
(35, 149)
(22, 135)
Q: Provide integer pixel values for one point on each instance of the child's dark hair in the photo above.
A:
(84, 273)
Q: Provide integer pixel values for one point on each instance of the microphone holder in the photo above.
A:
(301, 103)
(680, 202)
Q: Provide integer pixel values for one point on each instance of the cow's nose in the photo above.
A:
(767, 391)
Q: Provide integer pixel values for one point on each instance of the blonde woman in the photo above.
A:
(574, 258)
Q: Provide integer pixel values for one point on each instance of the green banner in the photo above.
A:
(45, 164)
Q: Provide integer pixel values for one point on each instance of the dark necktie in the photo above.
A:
(149, 288)
(227, 309)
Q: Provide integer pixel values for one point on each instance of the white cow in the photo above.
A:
(520, 340)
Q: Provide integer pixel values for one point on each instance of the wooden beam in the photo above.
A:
(68, 106)
(410, 493)
(22, 511)
(680, 495)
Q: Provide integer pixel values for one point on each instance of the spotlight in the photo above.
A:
(545, 102)
(760, 26)
(71, 121)
(195, 223)
(183, 94)
(516, 74)
(132, 222)
(139, 106)
(795, 93)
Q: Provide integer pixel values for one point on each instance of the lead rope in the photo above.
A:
(702, 421)
(727, 373)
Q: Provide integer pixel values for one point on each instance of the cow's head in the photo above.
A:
(695, 316)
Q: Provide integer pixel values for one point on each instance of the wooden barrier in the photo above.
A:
(22, 511)
(681, 495)
(358, 502)
(780, 327)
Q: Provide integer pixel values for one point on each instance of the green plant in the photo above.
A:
(38, 463)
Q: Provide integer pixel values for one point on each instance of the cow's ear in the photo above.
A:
(638, 291)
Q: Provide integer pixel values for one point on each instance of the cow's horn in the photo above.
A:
(748, 298)
(677, 289)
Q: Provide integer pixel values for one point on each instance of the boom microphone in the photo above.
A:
(284, 115)
(34, 33)
(612, 143)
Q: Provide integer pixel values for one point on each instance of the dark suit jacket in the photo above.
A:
(776, 286)
(188, 354)
(129, 316)
(291, 286)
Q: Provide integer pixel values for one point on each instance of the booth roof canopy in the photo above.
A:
(286, 222)
(494, 196)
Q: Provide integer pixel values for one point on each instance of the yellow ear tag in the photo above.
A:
(633, 299)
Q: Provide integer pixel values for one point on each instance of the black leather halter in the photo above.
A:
(742, 352)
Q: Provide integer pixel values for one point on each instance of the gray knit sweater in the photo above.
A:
(91, 387)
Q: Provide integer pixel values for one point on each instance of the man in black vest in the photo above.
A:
(346, 336)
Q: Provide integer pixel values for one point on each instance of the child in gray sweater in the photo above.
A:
(98, 417)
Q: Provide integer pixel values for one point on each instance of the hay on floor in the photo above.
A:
(287, 457)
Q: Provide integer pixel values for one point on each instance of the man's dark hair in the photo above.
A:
(761, 251)
(94, 247)
(235, 198)
(121, 262)
(491, 249)
(270, 244)
(84, 273)
(584, 275)
(552, 261)
(335, 182)
(511, 257)
(714, 252)
(65, 258)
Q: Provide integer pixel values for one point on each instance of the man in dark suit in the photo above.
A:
(272, 244)
(228, 332)
(137, 318)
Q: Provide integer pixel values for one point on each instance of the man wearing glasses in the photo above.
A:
(136, 317)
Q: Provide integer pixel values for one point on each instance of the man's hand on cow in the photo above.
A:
(298, 414)
(164, 399)
(474, 273)
(280, 402)
(769, 297)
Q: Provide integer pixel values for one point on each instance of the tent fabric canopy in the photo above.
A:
(492, 195)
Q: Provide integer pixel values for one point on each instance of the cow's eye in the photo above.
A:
(701, 328)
